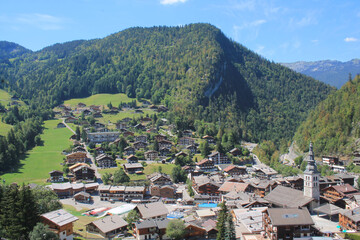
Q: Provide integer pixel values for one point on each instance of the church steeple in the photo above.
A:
(311, 177)
(311, 165)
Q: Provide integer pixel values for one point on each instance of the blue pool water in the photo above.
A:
(208, 205)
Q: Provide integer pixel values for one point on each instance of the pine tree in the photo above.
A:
(230, 228)
(77, 131)
(9, 218)
(28, 214)
(221, 224)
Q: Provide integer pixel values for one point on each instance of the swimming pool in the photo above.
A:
(208, 205)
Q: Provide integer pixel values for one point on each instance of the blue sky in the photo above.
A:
(279, 30)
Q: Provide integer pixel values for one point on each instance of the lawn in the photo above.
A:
(41, 160)
(113, 118)
(4, 128)
(149, 169)
(101, 99)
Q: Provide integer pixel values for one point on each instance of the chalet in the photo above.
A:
(165, 144)
(187, 133)
(105, 161)
(83, 197)
(153, 107)
(166, 191)
(219, 158)
(81, 105)
(186, 141)
(76, 157)
(141, 138)
(287, 223)
(209, 139)
(210, 228)
(287, 197)
(249, 219)
(151, 155)
(235, 152)
(128, 133)
(63, 190)
(83, 172)
(100, 137)
(194, 231)
(235, 170)
(139, 126)
(151, 229)
(121, 193)
(140, 145)
(70, 120)
(133, 167)
(99, 150)
(145, 103)
(60, 125)
(127, 120)
(159, 138)
(79, 149)
(99, 125)
(183, 154)
(56, 176)
(350, 219)
(227, 187)
(330, 160)
(121, 125)
(153, 210)
(261, 187)
(192, 148)
(97, 115)
(334, 194)
(188, 169)
(205, 186)
(108, 227)
(346, 178)
(146, 119)
(132, 159)
(164, 152)
(159, 179)
(139, 111)
(134, 192)
(264, 172)
(129, 150)
(295, 182)
(205, 165)
(60, 222)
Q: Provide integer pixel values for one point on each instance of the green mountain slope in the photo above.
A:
(194, 70)
(334, 125)
(11, 50)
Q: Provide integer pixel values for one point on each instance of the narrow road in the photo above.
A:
(89, 156)
(68, 126)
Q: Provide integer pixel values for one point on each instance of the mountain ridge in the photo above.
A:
(195, 70)
(333, 72)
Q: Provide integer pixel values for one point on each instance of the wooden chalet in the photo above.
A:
(205, 165)
(235, 152)
(132, 159)
(83, 172)
(287, 223)
(129, 150)
(350, 219)
(56, 176)
(105, 161)
(76, 157)
(192, 148)
(108, 227)
(219, 158)
(133, 168)
(335, 194)
(233, 170)
(186, 141)
(151, 229)
(209, 139)
(60, 222)
(141, 138)
(151, 155)
(160, 137)
(139, 145)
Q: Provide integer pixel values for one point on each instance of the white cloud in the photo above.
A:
(41, 21)
(351, 39)
(169, 2)
(255, 23)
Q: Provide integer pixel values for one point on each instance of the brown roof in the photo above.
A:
(287, 197)
(150, 210)
(205, 160)
(60, 217)
(345, 189)
(233, 186)
(289, 216)
(230, 167)
(110, 223)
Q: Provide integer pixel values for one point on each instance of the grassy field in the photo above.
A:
(41, 160)
(5, 97)
(154, 167)
(4, 128)
(101, 99)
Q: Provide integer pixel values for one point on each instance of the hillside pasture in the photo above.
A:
(39, 161)
(101, 99)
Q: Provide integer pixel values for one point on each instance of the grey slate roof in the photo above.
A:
(328, 209)
(287, 197)
(290, 216)
(150, 223)
(110, 223)
(60, 217)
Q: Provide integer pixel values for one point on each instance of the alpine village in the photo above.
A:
(173, 133)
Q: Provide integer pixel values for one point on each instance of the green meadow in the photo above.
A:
(39, 161)
(101, 99)
(4, 128)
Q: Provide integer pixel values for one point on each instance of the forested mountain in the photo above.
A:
(195, 70)
(334, 125)
(335, 73)
(11, 50)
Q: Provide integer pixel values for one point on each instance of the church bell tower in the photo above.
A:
(311, 177)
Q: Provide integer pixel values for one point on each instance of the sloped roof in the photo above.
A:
(289, 216)
(60, 217)
(287, 197)
(328, 209)
(233, 186)
(150, 210)
(110, 223)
